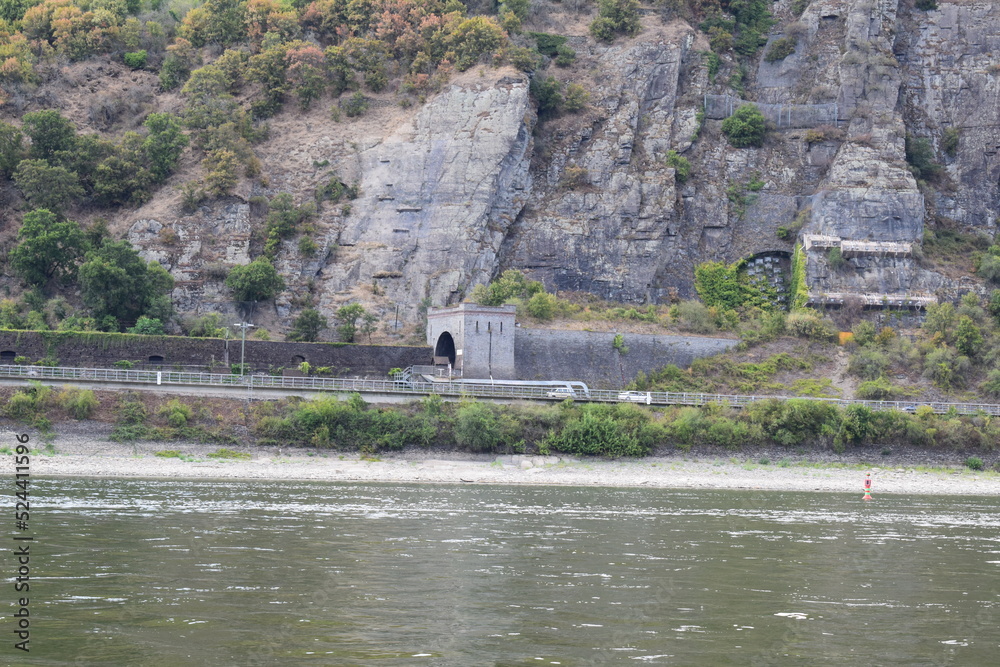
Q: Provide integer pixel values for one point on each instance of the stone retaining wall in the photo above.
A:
(103, 350)
(542, 354)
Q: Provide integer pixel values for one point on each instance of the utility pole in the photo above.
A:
(243, 344)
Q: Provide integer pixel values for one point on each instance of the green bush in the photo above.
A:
(926, 5)
(974, 463)
(308, 325)
(547, 91)
(542, 306)
(695, 317)
(989, 268)
(746, 127)
(615, 17)
(256, 281)
(21, 406)
(836, 258)
(80, 403)
(920, 156)
(548, 44)
(869, 363)
(576, 98)
(806, 323)
(876, 390)
(991, 386)
(605, 430)
(564, 56)
(949, 141)
(147, 326)
(946, 368)
(175, 413)
(510, 285)
(356, 105)
(780, 49)
(794, 421)
(478, 427)
(680, 165)
(864, 332)
(135, 59)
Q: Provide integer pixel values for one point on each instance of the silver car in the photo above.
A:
(561, 392)
(636, 397)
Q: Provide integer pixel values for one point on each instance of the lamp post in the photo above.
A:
(243, 344)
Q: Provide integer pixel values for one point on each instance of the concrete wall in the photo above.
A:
(103, 350)
(543, 354)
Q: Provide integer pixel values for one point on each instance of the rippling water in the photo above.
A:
(167, 572)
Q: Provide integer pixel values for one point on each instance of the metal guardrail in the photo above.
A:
(250, 382)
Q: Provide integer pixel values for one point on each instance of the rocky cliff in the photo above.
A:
(472, 183)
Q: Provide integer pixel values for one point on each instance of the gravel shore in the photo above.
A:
(85, 451)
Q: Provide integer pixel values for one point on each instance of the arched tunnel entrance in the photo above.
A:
(445, 347)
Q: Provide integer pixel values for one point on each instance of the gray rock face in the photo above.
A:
(604, 217)
(438, 196)
(197, 250)
(951, 83)
(468, 186)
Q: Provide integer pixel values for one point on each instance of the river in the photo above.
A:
(184, 572)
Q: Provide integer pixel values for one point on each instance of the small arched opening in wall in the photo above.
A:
(7, 357)
(771, 271)
(445, 347)
(298, 359)
(156, 359)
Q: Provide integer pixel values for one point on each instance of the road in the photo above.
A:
(260, 387)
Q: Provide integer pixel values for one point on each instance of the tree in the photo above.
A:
(122, 177)
(475, 37)
(49, 132)
(746, 127)
(49, 248)
(615, 17)
(45, 186)
(306, 73)
(164, 145)
(920, 156)
(347, 321)
(11, 148)
(307, 325)
(547, 91)
(968, 337)
(222, 167)
(369, 325)
(256, 281)
(510, 285)
(115, 281)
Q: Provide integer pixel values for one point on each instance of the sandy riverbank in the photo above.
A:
(88, 454)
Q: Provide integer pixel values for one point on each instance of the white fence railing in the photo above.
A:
(250, 382)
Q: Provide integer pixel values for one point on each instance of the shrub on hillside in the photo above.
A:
(780, 49)
(746, 127)
(256, 281)
(135, 59)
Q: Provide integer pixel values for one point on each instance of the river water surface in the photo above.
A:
(176, 572)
